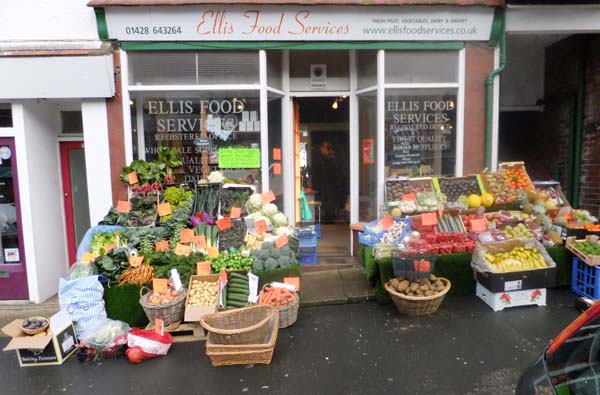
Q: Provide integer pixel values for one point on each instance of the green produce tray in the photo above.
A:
(123, 303)
(267, 276)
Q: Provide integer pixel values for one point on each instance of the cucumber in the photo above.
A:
(234, 275)
(236, 304)
(224, 299)
(241, 287)
(236, 298)
(239, 292)
(238, 283)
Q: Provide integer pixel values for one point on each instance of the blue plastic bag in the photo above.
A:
(83, 300)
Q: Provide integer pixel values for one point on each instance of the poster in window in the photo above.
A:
(420, 133)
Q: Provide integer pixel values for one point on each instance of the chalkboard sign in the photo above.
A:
(420, 133)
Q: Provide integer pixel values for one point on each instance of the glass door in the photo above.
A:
(13, 273)
(75, 194)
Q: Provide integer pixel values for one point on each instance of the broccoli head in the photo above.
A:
(267, 245)
(263, 254)
(284, 261)
(287, 251)
(293, 261)
(257, 266)
(275, 253)
(270, 264)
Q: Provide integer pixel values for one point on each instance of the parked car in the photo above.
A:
(570, 365)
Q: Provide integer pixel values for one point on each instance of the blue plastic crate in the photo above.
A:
(318, 230)
(585, 280)
(310, 259)
(307, 250)
(306, 232)
(308, 242)
(367, 239)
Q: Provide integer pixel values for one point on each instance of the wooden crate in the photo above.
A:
(592, 260)
(182, 333)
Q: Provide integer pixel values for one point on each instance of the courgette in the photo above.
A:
(224, 299)
(239, 292)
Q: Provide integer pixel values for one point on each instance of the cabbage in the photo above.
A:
(288, 230)
(270, 209)
(254, 203)
(259, 217)
(279, 219)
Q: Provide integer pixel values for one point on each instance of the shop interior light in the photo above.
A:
(335, 104)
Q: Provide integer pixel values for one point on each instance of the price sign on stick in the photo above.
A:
(236, 212)
(203, 268)
(409, 197)
(164, 209)
(268, 197)
(281, 241)
(429, 219)
(160, 285)
(386, 222)
(159, 327)
(478, 225)
(224, 223)
(182, 249)
(123, 206)
(162, 245)
(261, 225)
(136, 261)
(132, 178)
(187, 236)
(200, 241)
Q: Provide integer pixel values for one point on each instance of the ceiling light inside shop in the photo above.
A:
(335, 104)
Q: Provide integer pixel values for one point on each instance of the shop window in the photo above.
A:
(71, 122)
(319, 71)
(6, 115)
(274, 69)
(162, 68)
(198, 127)
(193, 68)
(421, 67)
(420, 132)
(367, 147)
(367, 68)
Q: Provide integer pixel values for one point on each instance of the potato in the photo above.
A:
(414, 286)
(394, 283)
(429, 293)
(432, 277)
(403, 286)
(419, 292)
(424, 287)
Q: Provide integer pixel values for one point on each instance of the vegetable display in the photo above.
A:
(234, 197)
(164, 297)
(203, 293)
(207, 199)
(140, 275)
(102, 240)
(275, 296)
(420, 287)
(233, 237)
(210, 232)
(236, 292)
(163, 262)
(230, 260)
(269, 257)
(177, 197)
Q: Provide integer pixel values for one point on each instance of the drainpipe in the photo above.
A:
(498, 29)
(579, 114)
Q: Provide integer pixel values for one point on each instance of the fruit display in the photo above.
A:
(588, 247)
(422, 287)
(518, 259)
(588, 250)
(474, 201)
(469, 226)
(520, 231)
(455, 187)
(439, 243)
(517, 176)
(235, 295)
(203, 293)
(396, 188)
(500, 187)
(487, 200)
(395, 233)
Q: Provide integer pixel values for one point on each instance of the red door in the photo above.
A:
(13, 271)
(75, 196)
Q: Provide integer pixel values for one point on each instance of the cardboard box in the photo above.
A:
(501, 300)
(516, 281)
(194, 313)
(52, 347)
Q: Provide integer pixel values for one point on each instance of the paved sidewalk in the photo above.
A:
(354, 348)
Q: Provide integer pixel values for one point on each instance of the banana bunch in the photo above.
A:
(518, 259)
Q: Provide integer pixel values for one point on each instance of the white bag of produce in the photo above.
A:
(83, 300)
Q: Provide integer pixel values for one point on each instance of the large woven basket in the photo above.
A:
(418, 305)
(241, 336)
(169, 312)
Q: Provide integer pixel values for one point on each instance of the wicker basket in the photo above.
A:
(169, 312)
(241, 336)
(418, 305)
(288, 314)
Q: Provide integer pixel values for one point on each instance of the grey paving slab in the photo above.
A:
(324, 287)
(355, 285)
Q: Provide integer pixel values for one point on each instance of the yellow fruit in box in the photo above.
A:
(474, 201)
(487, 200)
(396, 212)
(550, 204)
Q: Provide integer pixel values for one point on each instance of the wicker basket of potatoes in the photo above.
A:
(418, 297)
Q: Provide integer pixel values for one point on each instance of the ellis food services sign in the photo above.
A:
(291, 23)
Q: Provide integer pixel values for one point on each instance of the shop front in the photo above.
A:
(323, 102)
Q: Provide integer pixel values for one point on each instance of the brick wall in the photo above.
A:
(116, 138)
(589, 193)
(479, 61)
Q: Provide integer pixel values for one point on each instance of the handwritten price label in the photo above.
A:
(184, 250)
(164, 209)
(281, 241)
(160, 285)
(236, 212)
(203, 268)
(200, 241)
(162, 245)
(223, 223)
(136, 261)
(261, 226)
(268, 197)
(187, 236)
(123, 206)
(133, 178)
(429, 219)
(386, 222)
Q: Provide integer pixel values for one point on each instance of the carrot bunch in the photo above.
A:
(275, 296)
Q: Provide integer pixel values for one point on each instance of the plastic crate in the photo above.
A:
(308, 259)
(367, 239)
(318, 230)
(307, 250)
(585, 280)
(308, 242)
(306, 232)
(412, 266)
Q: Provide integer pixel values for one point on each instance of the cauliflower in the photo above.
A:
(254, 203)
(270, 209)
(279, 219)
(216, 177)
(288, 230)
